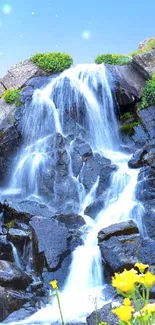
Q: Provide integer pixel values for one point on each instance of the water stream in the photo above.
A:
(94, 112)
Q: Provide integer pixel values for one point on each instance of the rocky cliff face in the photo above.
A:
(24, 223)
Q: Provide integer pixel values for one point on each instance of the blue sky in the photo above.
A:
(82, 28)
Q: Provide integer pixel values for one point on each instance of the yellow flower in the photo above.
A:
(149, 280)
(127, 302)
(124, 313)
(145, 312)
(54, 284)
(125, 281)
(141, 267)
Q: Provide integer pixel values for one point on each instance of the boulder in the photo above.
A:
(2, 89)
(50, 242)
(5, 249)
(147, 118)
(12, 300)
(148, 218)
(104, 315)
(6, 114)
(94, 208)
(71, 221)
(145, 63)
(93, 168)
(137, 159)
(12, 276)
(122, 228)
(18, 237)
(22, 211)
(145, 189)
(120, 252)
(20, 73)
(10, 141)
(18, 315)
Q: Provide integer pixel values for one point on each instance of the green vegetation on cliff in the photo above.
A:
(52, 62)
(147, 47)
(116, 59)
(148, 95)
(128, 129)
(11, 96)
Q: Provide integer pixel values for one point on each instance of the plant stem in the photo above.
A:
(59, 305)
(96, 313)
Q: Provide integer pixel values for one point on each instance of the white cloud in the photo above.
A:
(86, 35)
(7, 9)
(33, 13)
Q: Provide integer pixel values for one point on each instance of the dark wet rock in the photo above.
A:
(137, 159)
(10, 141)
(24, 312)
(122, 228)
(40, 82)
(18, 237)
(94, 208)
(104, 315)
(147, 117)
(12, 300)
(71, 221)
(145, 63)
(105, 177)
(5, 249)
(148, 218)
(50, 242)
(12, 276)
(119, 252)
(145, 189)
(60, 274)
(36, 285)
(93, 168)
(129, 83)
(26, 94)
(23, 211)
(79, 153)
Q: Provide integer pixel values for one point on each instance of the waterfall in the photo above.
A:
(83, 93)
(16, 256)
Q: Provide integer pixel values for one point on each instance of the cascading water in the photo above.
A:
(82, 96)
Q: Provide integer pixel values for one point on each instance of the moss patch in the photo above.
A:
(116, 59)
(52, 62)
(128, 129)
(11, 96)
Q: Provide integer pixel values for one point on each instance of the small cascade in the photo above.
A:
(16, 256)
(76, 104)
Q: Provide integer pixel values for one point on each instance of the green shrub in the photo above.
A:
(113, 59)
(52, 62)
(128, 129)
(11, 96)
(148, 95)
(125, 116)
(133, 53)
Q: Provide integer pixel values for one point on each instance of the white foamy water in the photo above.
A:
(95, 114)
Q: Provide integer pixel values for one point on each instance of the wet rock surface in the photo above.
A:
(5, 249)
(12, 300)
(121, 247)
(12, 276)
(104, 314)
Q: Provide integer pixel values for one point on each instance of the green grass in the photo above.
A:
(128, 129)
(126, 115)
(116, 59)
(53, 62)
(11, 96)
(148, 48)
(148, 94)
